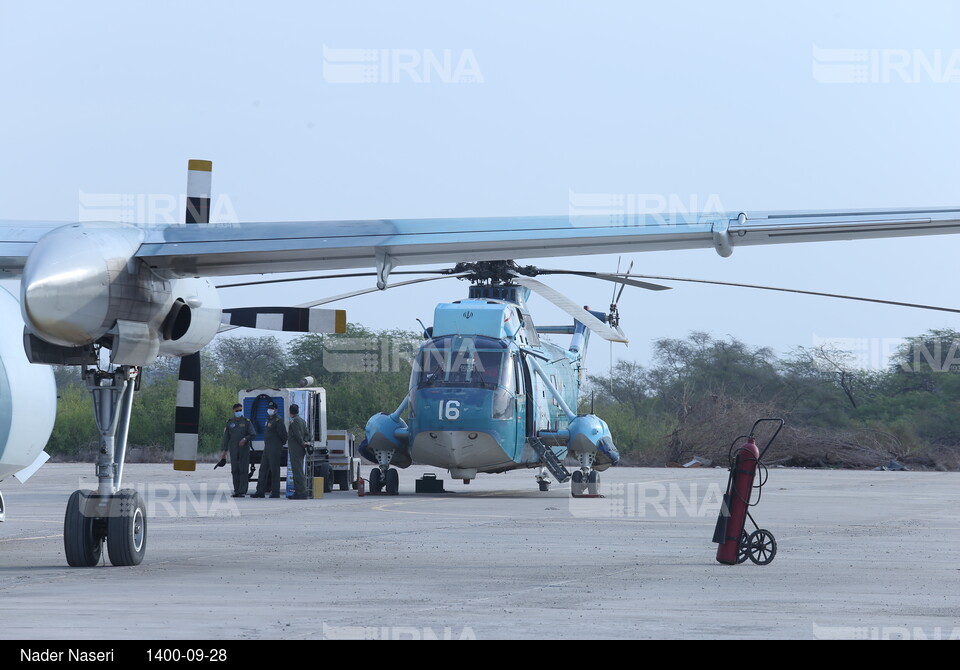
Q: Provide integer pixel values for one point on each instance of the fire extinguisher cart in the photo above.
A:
(736, 544)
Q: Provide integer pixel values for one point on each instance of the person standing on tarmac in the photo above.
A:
(274, 437)
(297, 444)
(236, 441)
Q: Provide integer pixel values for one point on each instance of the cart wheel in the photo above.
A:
(744, 551)
(762, 546)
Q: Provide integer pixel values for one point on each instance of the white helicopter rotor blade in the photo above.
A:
(572, 308)
(352, 294)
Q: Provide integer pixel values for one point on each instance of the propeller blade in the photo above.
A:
(287, 319)
(608, 276)
(185, 439)
(572, 308)
(352, 294)
(187, 412)
(349, 275)
(804, 292)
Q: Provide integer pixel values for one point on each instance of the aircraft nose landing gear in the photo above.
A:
(117, 516)
(585, 482)
(384, 480)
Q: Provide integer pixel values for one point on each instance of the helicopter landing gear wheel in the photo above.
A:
(593, 483)
(762, 546)
(544, 485)
(376, 480)
(577, 486)
(392, 482)
(82, 534)
(744, 551)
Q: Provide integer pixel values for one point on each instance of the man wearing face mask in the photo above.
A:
(298, 434)
(274, 437)
(236, 441)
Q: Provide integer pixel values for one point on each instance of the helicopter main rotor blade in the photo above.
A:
(352, 294)
(259, 282)
(629, 268)
(608, 276)
(572, 308)
(804, 292)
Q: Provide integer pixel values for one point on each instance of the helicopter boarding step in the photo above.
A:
(550, 460)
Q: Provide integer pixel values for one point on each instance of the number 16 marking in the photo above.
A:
(449, 410)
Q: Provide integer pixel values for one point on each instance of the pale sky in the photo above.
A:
(753, 105)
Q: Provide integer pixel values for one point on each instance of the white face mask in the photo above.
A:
(271, 412)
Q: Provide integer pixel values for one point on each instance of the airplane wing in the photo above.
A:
(251, 248)
(180, 250)
(17, 239)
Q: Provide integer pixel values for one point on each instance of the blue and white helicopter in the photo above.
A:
(487, 394)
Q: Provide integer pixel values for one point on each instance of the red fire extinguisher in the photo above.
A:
(733, 514)
(361, 488)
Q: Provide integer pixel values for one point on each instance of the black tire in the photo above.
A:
(577, 486)
(393, 482)
(80, 542)
(127, 528)
(763, 546)
(342, 478)
(544, 485)
(743, 552)
(376, 480)
(593, 483)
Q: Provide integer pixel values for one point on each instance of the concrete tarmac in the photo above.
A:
(860, 555)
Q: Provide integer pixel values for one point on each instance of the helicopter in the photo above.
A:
(488, 395)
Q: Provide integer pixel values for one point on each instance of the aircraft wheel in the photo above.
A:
(593, 483)
(376, 480)
(393, 482)
(81, 543)
(576, 483)
(127, 528)
(544, 485)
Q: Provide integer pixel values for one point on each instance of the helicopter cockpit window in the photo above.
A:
(460, 360)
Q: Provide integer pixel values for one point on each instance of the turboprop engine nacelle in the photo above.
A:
(83, 285)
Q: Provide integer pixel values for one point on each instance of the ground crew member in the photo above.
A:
(297, 444)
(236, 440)
(274, 437)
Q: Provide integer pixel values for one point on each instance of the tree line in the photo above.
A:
(364, 371)
(702, 393)
(699, 394)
